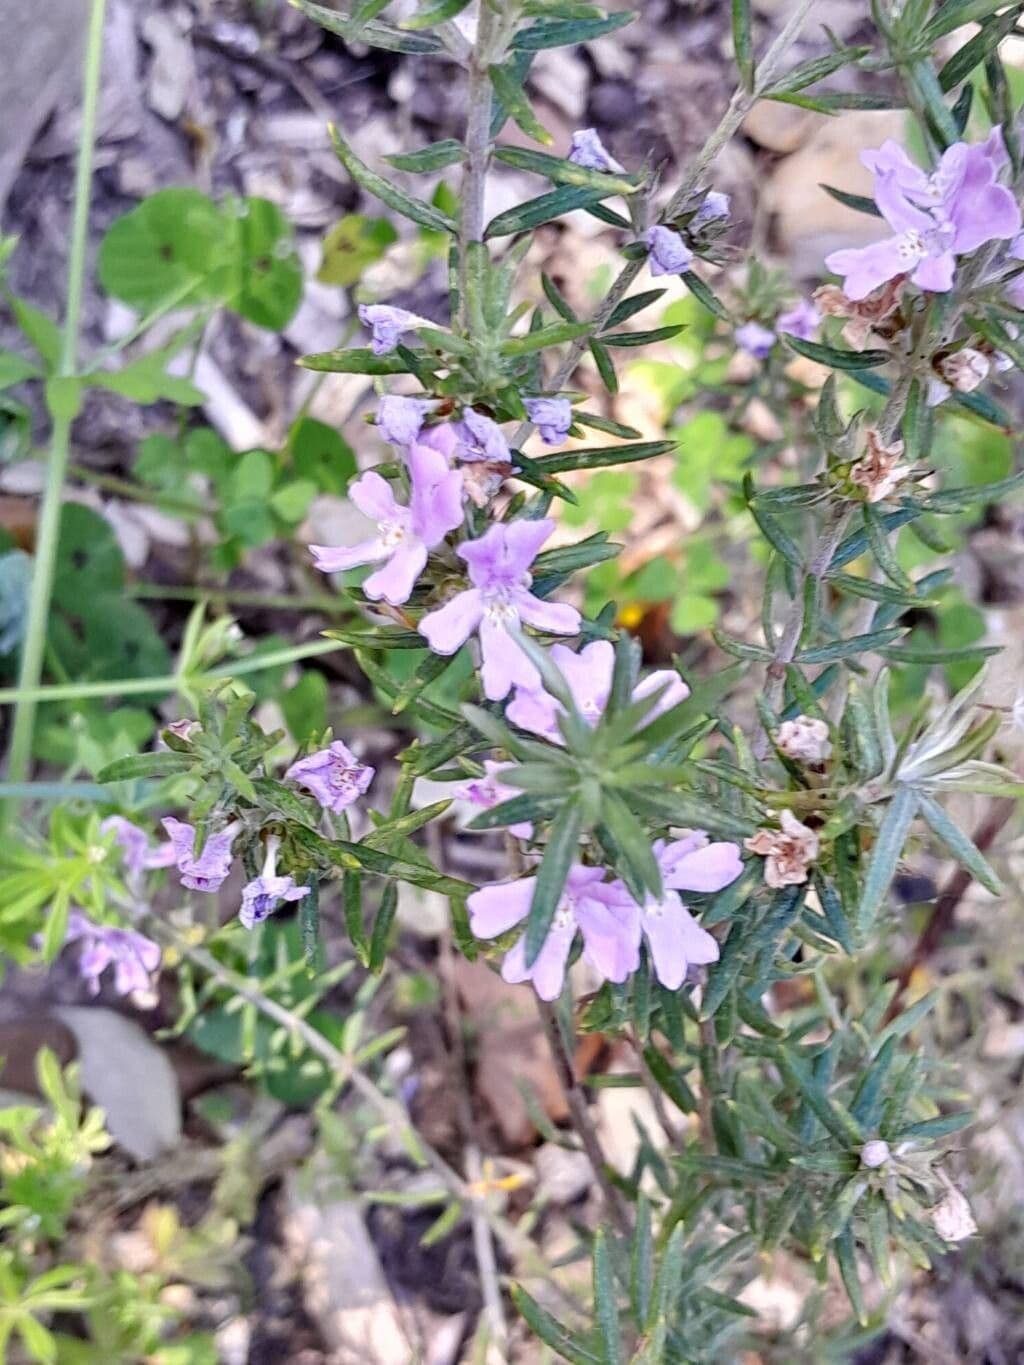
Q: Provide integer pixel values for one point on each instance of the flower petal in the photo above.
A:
(396, 580)
(496, 908)
(449, 627)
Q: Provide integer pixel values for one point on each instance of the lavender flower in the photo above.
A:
(589, 676)
(334, 775)
(388, 325)
(587, 150)
(400, 419)
(755, 339)
(713, 206)
(801, 321)
(675, 940)
(262, 896)
(133, 956)
(488, 792)
(500, 598)
(480, 438)
(136, 853)
(552, 417)
(609, 924)
(405, 535)
(208, 870)
(669, 254)
(934, 217)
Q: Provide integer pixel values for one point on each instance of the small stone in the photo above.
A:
(563, 1176)
(874, 1153)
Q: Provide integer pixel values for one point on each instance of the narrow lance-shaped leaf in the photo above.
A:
(423, 214)
(886, 854)
(559, 855)
(543, 209)
(959, 844)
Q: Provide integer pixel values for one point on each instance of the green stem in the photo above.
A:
(169, 682)
(60, 437)
(240, 597)
(152, 497)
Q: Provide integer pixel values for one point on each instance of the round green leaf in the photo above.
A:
(174, 239)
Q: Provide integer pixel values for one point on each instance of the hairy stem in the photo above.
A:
(34, 646)
(478, 149)
(580, 1115)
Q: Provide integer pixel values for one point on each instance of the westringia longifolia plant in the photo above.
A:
(695, 849)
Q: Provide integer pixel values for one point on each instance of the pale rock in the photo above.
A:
(760, 422)
(227, 411)
(808, 222)
(561, 77)
(343, 1283)
(779, 127)
(424, 913)
(619, 1110)
(332, 520)
(129, 1077)
(563, 1176)
(172, 67)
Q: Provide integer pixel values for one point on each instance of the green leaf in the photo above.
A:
(835, 357)
(550, 1330)
(90, 562)
(600, 457)
(563, 172)
(544, 209)
(705, 295)
(552, 335)
(669, 1080)
(606, 1309)
(636, 304)
(817, 68)
(14, 369)
(568, 32)
(146, 380)
(423, 214)
(959, 844)
(742, 41)
(508, 87)
(174, 241)
(975, 51)
(860, 202)
(434, 14)
(639, 867)
(145, 765)
(560, 853)
(264, 274)
(377, 34)
(318, 453)
(886, 854)
(349, 857)
(844, 649)
(434, 157)
(357, 360)
(380, 935)
(955, 13)
(641, 1273)
(351, 246)
(37, 328)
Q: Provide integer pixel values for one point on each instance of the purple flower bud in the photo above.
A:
(801, 321)
(334, 775)
(388, 325)
(551, 416)
(755, 339)
(713, 206)
(488, 792)
(134, 957)
(400, 419)
(499, 570)
(587, 150)
(207, 871)
(405, 534)
(480, 438)
(669, 254)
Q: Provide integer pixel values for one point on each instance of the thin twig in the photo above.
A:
(478, 149)
(580, 1115)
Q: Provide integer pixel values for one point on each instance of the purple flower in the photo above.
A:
(134, 957)
(262, 896)
(480, 438)
(500, 598)
(669, 254)
(801, 321)
(443, 438)
(134, 844)
(552, 417)
(589, 676)
(405, 535)
(587, 150)
(388, 325)
(334, 775)
(674, 938)
(207, 871)
(934, 217)
(488, 792)
(608, 921)
(755, 339)
(400, 419)
(713, 206)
